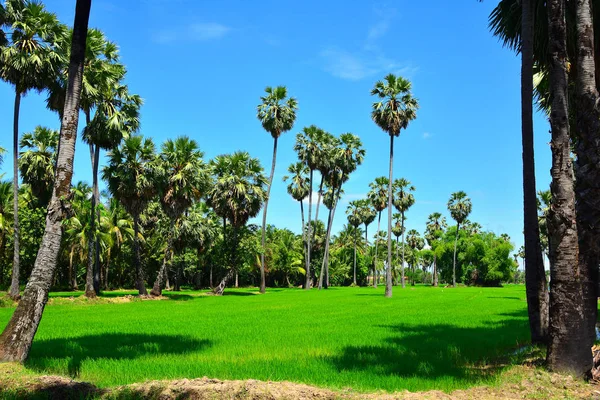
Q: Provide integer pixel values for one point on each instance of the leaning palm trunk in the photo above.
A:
(18, 335)
(454, 255)
(535, 276)
(388, 273)
(376, 249)
(264, 221)
(320, 194)
(14, 285)
(587, 187)
(307, 284)
(567, 348)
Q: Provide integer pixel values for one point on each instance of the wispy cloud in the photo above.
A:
(203, 31)
(426, 135)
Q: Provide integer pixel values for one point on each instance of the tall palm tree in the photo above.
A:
(436, 224)
(37, 160)
(17, 337)
(355, 219)
(27, 62)
(277, 114)
(298, 188)
(307, 147)
(416, 243)
(129, 179)
(181, 180)
(459, 206)
(403, 200)
(392, 113)
(378, 196)
(239, 191)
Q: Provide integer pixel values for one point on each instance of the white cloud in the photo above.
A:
(194, 32)
(426, 135)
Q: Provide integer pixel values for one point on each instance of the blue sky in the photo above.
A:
(201, 67)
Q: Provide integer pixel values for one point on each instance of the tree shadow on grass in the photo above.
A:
(116, 346)
(180, 296)
(468, 354)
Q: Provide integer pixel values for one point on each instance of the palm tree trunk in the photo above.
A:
(162, 273)
(92, 284)
(388, 274)
(567, 348)
(324, 265)
(454, 256)
(264, 221)
(233, 269)
(587, 148)
(434, 278)
(307, 284)
(72, 272)
(536, 286)
(139, 273)
(106, 268)
(17, 337)
(14, 285)
(304, 244)
(211, 276)
(402, 266)
(376, 249)
(318, 205)
(367, 247)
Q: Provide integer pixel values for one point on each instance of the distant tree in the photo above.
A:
(378, 197)
(403, 200)
(392, 112)
(416, 243)
(355, 219)
(436, 224)
(459, 206)
(277, 113)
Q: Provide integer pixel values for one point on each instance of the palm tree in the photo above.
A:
(37, 161)
(277, 113)
(436, 224)
(307, 147)
(368, 214)
(299, 189)
(393, 112)
(403, 200)
(416, 243)
(17, 337)
(27, 62)
(121, 229)
(181, 180)
(378, 197)
(129, 178)
(238, 193)
(355, 219)
(398, 230)
(76, 232)
(459, 206)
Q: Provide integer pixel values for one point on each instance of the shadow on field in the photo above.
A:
(441, 350)
(180, 296)
(51, 354)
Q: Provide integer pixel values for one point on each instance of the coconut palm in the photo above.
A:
(403, 200)
(181, 180)
(416, 243)
(355, 219)
(298, 188)
(459, 206)
(239, 191)
(277, 113)
(392, 112)
(37, 160)
(436, 224)
(129, 179)
(307, 146)
(28, 61)
(378, 196)
(17, 337)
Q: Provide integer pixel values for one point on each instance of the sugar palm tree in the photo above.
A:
(298, 188)
(416, 243)
(277, 114)
(378, 196)
(181, 180)
(129, 179)
(17, 337)
(393, 111)
(37, 160)
(27, 61)
(355, 219)
(307, 147)
(403, 200)
(436, 224)
(459, 206)
(239, 191)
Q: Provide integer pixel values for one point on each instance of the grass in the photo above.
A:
(423, 338)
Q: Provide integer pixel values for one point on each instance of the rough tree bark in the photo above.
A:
(264, 221)
(14, 285)
(587, 167)
(17, 337)
(566, 348)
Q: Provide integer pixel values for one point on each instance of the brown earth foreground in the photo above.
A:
(520, 382)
